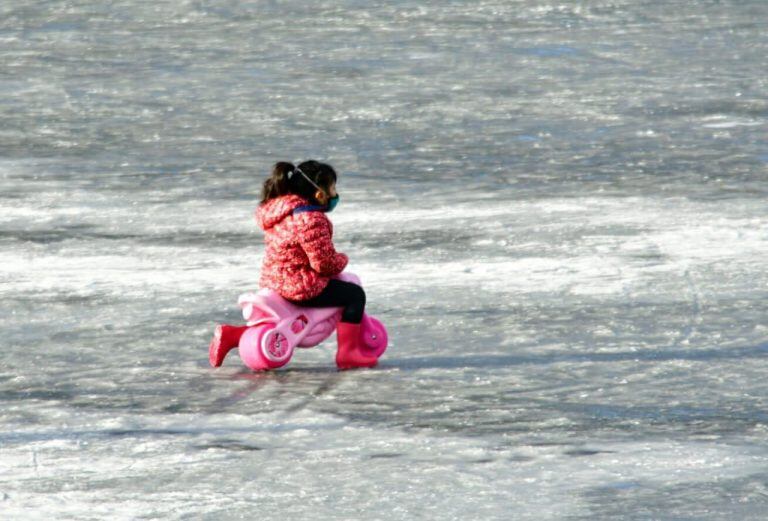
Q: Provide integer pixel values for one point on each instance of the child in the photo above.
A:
(299, 257)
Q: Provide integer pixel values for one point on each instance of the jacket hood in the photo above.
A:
(275, 210)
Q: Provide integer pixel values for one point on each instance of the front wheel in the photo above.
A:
(374, 336)
(263, 348)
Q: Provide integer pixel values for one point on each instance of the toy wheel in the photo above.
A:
(276, 347)
(374, 336)
(262, 347)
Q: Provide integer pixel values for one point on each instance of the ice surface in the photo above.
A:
(558, 210)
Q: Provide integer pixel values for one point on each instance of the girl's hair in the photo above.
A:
(285, 179)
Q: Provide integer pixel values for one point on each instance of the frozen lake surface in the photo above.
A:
(558, 210)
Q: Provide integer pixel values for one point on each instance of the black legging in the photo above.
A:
(339, 293)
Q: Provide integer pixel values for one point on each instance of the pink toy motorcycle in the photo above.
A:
(275, 328)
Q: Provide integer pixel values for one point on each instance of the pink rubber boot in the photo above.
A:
(225, 338)
(351, 352)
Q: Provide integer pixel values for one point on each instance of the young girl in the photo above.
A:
(300, 260)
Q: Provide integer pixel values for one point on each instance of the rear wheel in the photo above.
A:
(275, 347)
(262, 348)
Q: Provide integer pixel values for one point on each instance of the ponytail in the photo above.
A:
(277, 184)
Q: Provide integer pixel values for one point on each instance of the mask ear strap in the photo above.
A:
(308, 179)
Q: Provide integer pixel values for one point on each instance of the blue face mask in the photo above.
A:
(332, 203)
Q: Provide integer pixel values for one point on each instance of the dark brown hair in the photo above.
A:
(285, 179)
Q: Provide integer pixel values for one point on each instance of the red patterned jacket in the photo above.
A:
(299, 257)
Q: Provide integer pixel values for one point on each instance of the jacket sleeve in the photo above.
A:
(315, 240)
